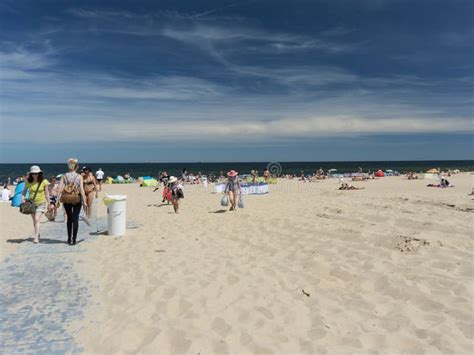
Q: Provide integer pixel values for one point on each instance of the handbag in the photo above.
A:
(241, 202)
(225, 201)
(29, 207)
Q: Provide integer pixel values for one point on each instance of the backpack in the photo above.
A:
(71, 193)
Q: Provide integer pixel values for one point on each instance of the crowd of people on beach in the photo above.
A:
(76, 191)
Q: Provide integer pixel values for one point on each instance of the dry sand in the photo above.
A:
(305, 269)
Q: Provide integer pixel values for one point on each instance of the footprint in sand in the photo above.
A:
(221, 327)
(232, 279)
(266, 312)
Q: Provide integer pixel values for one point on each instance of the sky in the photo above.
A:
(250, 80)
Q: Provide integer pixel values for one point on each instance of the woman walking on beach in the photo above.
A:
(90, 189)
(232, 188)
(39, 195)
(72, 195)
(176, 192)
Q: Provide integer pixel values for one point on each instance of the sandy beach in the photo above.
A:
(304, 269)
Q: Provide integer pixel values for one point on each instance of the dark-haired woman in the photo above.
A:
(90, 189)
(39, 195)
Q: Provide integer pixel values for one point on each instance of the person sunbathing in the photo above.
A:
(444, 183)
(345, 186)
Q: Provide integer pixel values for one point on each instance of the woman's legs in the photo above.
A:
(232, 201)
(37, 223)
(36, 217)
(90, 198)
(176, 204)
(72, 212)
(68, 208)
(35, 232)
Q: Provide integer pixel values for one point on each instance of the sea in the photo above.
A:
(278, 168)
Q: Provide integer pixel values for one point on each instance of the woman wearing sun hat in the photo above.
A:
(232, 188)
(176, 192)
(39, 195)
(72, 195)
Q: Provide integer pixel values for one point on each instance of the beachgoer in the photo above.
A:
(444, 183)
(6, 194)
(184, 175)
(90, 188)
(345, 186)
(71, 186)
(99, 175)
(232, 188)
(164, 178)
(176, 192)
(39, 195)
(266, 174)
(254, 174)
(53, 189)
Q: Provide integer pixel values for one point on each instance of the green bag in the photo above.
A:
(29, 207)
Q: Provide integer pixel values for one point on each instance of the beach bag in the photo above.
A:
(71, 193)
(28, 207)
(241, 202)
(225, 201)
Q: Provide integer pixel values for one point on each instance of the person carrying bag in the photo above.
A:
(37, 205)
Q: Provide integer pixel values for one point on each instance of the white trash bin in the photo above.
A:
(116, 214)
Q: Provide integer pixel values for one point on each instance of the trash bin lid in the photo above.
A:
(109, 199)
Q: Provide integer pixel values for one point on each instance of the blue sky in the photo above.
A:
(236, 80)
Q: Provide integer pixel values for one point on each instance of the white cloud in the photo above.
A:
(179, 108)
(21, 59)
(242, 130)
(205, 36)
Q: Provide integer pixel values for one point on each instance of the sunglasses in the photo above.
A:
(34, 173)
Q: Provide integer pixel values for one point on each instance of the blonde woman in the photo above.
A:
(39, 195)
(72, 195)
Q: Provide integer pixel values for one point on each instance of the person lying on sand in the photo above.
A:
(345, 186)
(444, 183)
(360, 178)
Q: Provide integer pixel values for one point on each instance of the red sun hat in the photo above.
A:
(232, 173)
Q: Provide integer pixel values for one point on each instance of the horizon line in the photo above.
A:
(243, 162)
